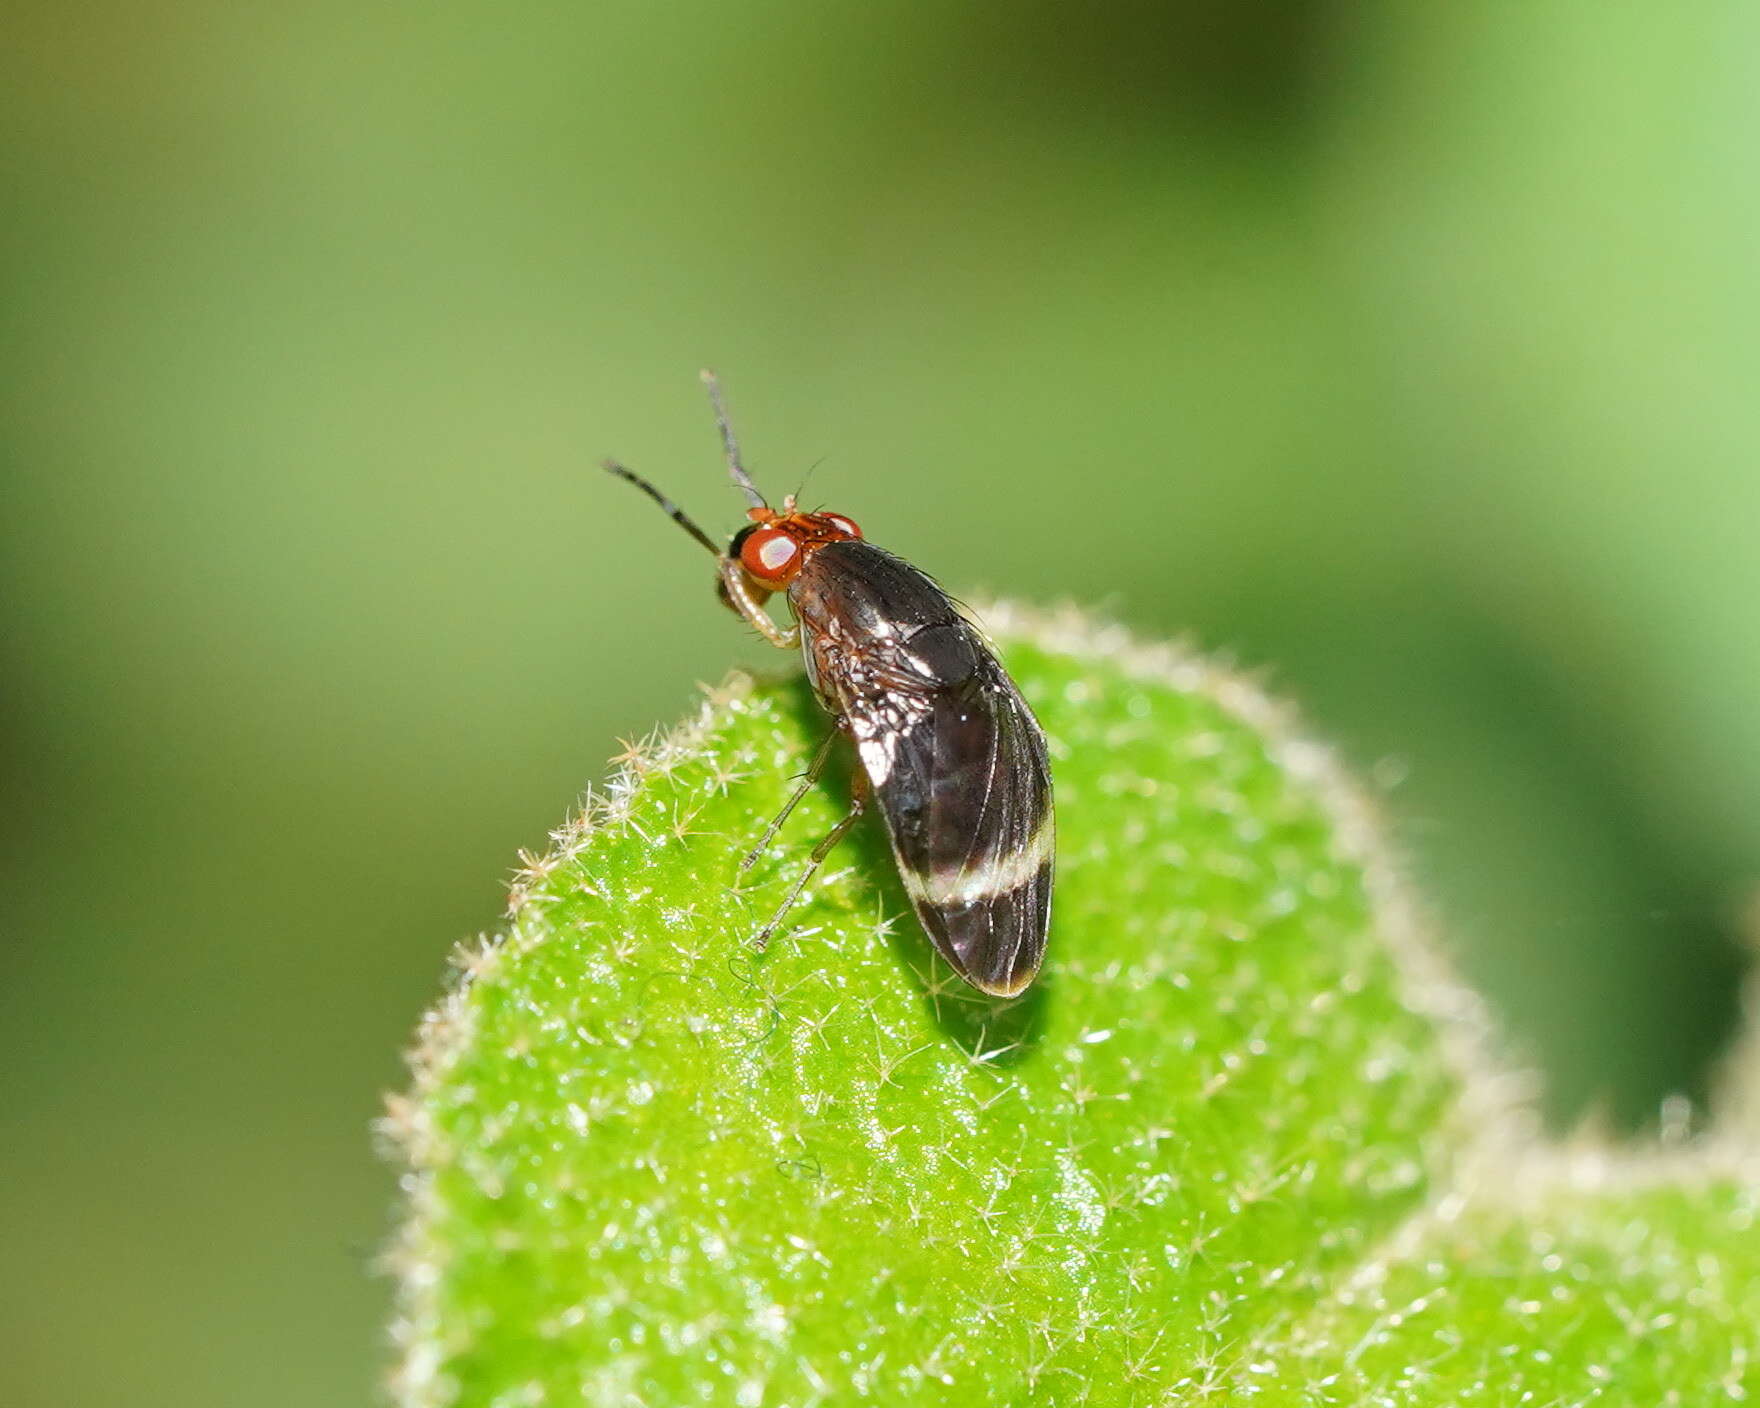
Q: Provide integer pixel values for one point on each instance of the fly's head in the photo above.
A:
(772, 549)
(774, 546)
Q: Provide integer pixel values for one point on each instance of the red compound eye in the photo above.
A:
(845, 526)
(771, 555)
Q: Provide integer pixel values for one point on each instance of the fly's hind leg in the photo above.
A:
(858, 803)
(808, 778)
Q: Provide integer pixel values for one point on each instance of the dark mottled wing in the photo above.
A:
(965, 788)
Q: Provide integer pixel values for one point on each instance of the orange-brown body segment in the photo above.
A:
(775, 552)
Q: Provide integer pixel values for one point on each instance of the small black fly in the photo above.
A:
(948, 747)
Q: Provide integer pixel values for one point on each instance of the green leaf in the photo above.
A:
(1564, 1279)
(649, 1167)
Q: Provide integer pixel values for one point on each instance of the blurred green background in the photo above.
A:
(1409, 351)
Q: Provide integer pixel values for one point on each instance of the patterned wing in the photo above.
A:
(959, 767)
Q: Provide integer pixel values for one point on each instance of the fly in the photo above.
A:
(949, 750)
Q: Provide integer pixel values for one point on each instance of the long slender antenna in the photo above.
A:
(673, 511)
(740, 478)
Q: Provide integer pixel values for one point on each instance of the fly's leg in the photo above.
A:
(858, 803)
(811, 776)
(741, 599)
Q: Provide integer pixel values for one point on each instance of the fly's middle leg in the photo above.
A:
(808, 778)
(858, 803)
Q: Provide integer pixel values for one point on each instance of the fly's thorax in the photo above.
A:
(867, 593)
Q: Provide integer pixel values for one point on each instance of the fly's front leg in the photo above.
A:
(811, 776)
(741, 597)
(858, 803)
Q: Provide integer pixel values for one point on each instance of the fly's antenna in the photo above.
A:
(741, 479)
(673, 511)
